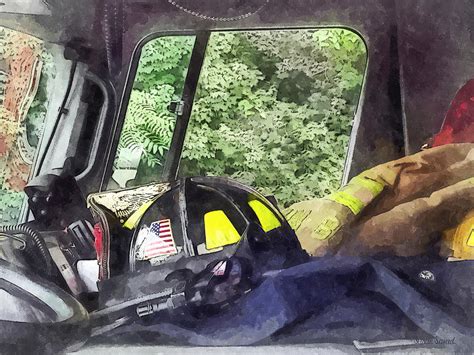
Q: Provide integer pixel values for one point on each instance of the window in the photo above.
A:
(26, 68)
(148, 126)
(273, 108)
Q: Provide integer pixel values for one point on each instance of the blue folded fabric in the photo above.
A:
(340, 300)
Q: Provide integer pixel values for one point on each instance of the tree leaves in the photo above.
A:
(14, 168)
(288, 144)
(273, 109)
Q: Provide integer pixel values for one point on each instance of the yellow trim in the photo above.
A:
(345, 199)
(462, 244)
(470, 240)
(296, 217)
(133, 220)
(219, 230)
(373, 186)
(267, 218)
(327, 228)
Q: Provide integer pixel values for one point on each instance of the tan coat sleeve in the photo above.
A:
(395, 207)
(410, 228)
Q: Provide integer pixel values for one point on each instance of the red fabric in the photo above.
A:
(98, 240)
(458, 125)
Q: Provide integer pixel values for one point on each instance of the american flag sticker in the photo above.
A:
(156, 240)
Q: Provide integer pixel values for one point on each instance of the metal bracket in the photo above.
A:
(176, 107)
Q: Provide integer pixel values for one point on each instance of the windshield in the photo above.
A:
(26, 68)
(273, 109)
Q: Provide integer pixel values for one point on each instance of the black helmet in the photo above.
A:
(209, 215)
(209, 239)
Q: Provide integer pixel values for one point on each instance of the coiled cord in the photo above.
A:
(37, 240)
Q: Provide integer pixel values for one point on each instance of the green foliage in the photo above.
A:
(10, 41)
(36, 115)
(10, 205)
(164, 61)
(152, 126)
(148, 126)
(273, 108)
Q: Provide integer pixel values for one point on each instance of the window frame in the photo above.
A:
(173, 170)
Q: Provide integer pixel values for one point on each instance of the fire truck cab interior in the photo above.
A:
(410, 58)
